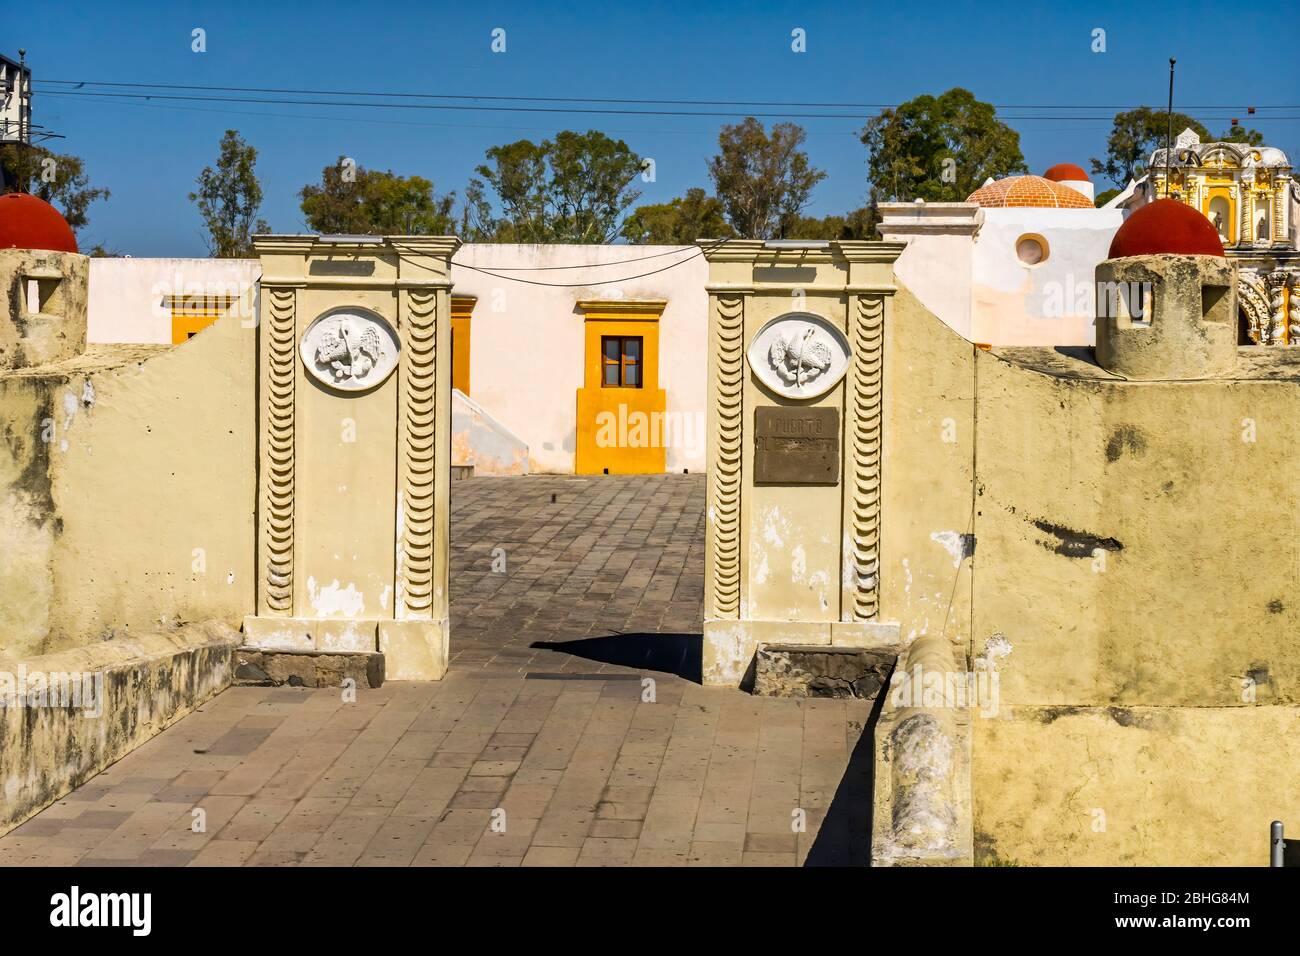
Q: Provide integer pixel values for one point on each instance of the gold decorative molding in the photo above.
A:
(278, 523)
(865, 404)
(725, 474)
(419, 410)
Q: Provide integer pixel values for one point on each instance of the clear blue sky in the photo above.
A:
(1025, 53)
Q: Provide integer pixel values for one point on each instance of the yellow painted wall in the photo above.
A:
(1136, 549)
(192, 314)
(130, 500)
(1223, 192)
(621, 430)
(462, 308)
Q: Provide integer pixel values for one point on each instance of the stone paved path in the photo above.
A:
(524, 754)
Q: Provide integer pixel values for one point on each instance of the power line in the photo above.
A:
(592, 99)
(149, 97)
(699, 251)
(444, 106)
(591, 265)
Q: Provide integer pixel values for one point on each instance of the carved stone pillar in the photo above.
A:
(354, 448)
(1277, 282)
(1245, 235)
(796, 369)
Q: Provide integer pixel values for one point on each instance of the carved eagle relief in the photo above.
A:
(799, 358)
(348, 355)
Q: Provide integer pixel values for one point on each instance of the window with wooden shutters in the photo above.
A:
(621, 361)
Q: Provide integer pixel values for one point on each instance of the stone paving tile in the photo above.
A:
(538, 749)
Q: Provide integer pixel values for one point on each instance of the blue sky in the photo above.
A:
(1031, 53)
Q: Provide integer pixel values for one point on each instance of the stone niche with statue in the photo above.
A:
(353, 449)
(796, 362)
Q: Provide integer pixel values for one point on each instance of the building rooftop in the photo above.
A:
(1034, 191)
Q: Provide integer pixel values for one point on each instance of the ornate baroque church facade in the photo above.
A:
(1251, 198)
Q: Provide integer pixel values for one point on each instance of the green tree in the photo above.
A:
(938, 148)
(1105, 196)
(859, 224)
(696, 215)
(1242, 134)
(763, 181)
(574, 188)
(353, 200)
(228, 198)
(58, 179)
(1134, 136)
(1138, 133)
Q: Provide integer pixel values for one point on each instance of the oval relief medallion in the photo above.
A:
(350, 349)
(799, 355)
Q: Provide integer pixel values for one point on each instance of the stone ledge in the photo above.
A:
(819, 670)
(260, 667)
(66, 716)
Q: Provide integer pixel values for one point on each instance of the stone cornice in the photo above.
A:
(624, 306)
(437, 246)
(759, 252)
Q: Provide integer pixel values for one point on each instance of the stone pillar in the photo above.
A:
(796, 355)
(1245, 235)
(45, 320)
(354, 448)
(1162, 317)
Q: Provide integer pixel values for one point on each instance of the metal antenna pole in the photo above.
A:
(1169, 127)
(1276, 845)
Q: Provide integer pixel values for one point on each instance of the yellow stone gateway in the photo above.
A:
(354, 448)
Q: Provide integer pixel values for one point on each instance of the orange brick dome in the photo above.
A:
(1029, 191)
(1066, 173)
(1165, 227)
(27, 222)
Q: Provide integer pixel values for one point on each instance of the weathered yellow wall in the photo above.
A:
(27, 527)
(926, 499)
(1192, 586)
(126, 491)
(96, 703)
(1151, 786)
(1135, 552)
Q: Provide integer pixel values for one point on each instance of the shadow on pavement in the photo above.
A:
(680, 654)
(845, 835)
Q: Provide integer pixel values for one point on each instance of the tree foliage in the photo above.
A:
(938, 148)
(60, 180)
(1134, 136)
(858, 224)
(763, 181)
(574, 188)
(696, 215)
(1242, 134)
(229, 197)
(353, 200)
(1137, 133)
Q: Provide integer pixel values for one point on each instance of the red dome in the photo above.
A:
(1066, 173)
(1165, 227)
(27, 222)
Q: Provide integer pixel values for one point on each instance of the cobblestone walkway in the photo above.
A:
(557, 754)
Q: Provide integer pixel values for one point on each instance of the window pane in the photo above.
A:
(632, 376)
(632, 348)
(611, 374)
(609, 346)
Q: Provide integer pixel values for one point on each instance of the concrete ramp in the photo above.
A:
(481, 445)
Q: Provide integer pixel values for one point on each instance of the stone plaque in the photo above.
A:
(797, 446)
